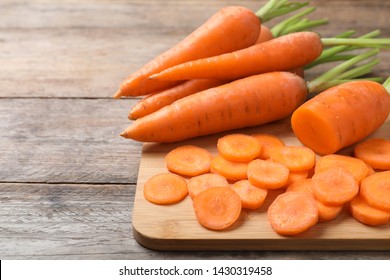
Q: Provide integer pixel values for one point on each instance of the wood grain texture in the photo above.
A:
(67, 180)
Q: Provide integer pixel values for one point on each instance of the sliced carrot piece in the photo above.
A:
(328, 212)
(375, 189)
(334, 186)
(188, 160)
(296, 158)
(292, 213)
(366, 214)
(375, 152)
(238, 147)
(217, 208)
(204, 181)
(267, 174)
(268, 142)
(233, 171)
(294, 176)
(325, 212)
(301, 186)
(252, 197)
(165, 188)
(356, 166)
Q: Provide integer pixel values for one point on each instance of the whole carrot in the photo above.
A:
(341, 116)
(230, 29)
(247, 102)
(279, 54)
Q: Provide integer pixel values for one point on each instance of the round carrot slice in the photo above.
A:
(366, 214)
(301, 186)
(268, 142)
(165, 188)
(375, 152)
(296, 158)
(202, 182)
(233, 171)
(252, 197)
(267, 174)
(238, 147)
(292, 213)
(334, 186)
(188, 160)
(328, 212)
(375, 189)
(217, 208)
(356, 166)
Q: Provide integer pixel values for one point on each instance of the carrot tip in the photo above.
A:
(118, 94)
(124, 134)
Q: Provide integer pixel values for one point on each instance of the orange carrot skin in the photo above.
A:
(279, 54)
(243, 103)
(156, 101)
(265, 35)
(232, 28)
(341, 116)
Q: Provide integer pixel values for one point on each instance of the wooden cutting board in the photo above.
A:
(175, 227)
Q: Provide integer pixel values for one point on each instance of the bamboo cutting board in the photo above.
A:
(175, 227)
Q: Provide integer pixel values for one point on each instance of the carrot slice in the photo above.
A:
(238, 147)
(165, 188)
(268, 142)
(334, 186)
(188, 160)
(325, 212)
(375, 189)
(296, 158)
(252, 197)
(294, 176)
(267, 174)
(204, 181)
(233, 171)
(292, 213)
(356, 166)
(217, 208)
(366, 214)
(375, 152)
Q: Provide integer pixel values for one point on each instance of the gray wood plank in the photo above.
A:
(66, 140)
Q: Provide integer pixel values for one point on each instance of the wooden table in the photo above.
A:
(67, 180)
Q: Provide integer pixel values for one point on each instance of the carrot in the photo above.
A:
(375, 152)
(233, 171)
(375, 189)
(292, 213)
(188, 160)
(296, 158)
(268, 142)
(341, 116)
(366, 214)
(241, 103)
(280, 54)
(156, 101)
(294, 176)
(325, 212)
(334, 186)
(238, 147)
(202, 182)
(252, 197)
(265, 35)
(217, 208)
(231, 28)
(356, 166)
(267, 174)
(165, 188)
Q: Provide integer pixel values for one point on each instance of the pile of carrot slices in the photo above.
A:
(247, 167)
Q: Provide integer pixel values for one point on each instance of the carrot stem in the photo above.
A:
(319, 82)
(328, 53)
(386, 84)
(276, 8)
(383, 43)
(303, 24)
(278, 28)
